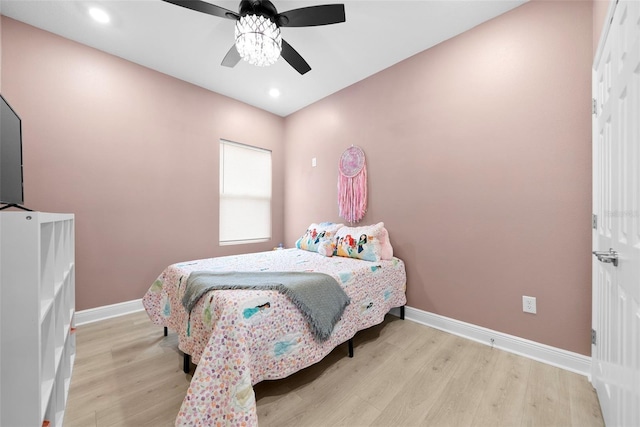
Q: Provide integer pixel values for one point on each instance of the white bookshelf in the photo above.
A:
(37, 317)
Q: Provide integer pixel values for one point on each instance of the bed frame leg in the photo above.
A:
(166, 331)
(402, 312)
(350, 347)
(186, 363)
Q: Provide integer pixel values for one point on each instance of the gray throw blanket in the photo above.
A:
(317, 295)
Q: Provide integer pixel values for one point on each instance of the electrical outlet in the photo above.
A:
(529, 304)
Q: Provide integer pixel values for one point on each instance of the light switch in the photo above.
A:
(313, 162)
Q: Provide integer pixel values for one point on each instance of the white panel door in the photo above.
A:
(616, 194)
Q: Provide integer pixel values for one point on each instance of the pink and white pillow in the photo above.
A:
(319, 238)
(369, 243)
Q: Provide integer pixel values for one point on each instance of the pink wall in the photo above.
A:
(132, 152)
(479, 162)
(477, 150)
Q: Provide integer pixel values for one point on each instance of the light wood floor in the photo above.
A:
(403, 374)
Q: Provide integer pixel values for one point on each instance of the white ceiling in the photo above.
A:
(190, 45)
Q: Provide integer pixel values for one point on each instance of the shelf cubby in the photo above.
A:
(37, 317)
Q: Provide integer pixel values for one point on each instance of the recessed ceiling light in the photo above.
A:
(274, 92)
(99, 15)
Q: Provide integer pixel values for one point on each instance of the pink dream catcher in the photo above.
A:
(352, 185)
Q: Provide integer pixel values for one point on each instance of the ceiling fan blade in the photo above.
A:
(312, 16)
(204, 7)
(231, 58)
(293, 58)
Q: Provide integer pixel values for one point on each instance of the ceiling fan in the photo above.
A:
(257, 33)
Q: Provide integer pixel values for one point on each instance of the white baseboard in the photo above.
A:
(108, 311)
(564, 359)
(533, 350)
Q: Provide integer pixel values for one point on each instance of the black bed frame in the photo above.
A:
(186, 362)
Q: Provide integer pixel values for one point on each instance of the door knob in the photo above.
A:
(609, 256)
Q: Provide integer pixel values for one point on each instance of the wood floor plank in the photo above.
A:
(389, 380)
(328, 385)
(122, 383)
(86, 420)
(504, 395)
(403, 374)
(275, 398)
(349, 412)
(148, 403)
(585, 410)
(547, 398)
(413, 403)
(457, 404)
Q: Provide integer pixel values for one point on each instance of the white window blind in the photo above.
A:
(245, 194)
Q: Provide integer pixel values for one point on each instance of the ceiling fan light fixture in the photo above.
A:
(99, 15)
(258, 40)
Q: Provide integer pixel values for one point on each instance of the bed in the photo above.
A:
(238, 338)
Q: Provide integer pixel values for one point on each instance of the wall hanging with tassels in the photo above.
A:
(352, 184)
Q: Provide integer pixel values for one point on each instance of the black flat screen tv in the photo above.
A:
(11, 184)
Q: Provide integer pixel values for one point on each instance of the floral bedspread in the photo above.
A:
(241, 337)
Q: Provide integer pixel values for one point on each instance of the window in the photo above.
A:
(245, 194)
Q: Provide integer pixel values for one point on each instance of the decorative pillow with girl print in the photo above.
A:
(369, 243)
(319, 238)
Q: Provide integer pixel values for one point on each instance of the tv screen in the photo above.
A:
(10, 155)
